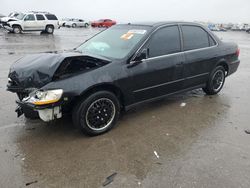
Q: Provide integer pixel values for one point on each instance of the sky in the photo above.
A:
(219, 11)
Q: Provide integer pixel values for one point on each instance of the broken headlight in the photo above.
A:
(45, 97)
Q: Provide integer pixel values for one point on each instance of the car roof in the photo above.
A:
(158, 24)
(37, 12)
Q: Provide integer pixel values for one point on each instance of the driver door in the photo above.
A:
(162, 72)
(29, 23)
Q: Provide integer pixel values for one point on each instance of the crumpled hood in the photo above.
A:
(35, 71)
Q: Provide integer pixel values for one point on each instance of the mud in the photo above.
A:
(200, 144)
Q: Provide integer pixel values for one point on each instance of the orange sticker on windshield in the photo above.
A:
(127, 36)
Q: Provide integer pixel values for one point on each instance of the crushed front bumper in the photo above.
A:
(46, 113)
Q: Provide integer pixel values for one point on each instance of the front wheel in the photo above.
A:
(86, 25)
(97, 114)
(17, 29)
(216, 81)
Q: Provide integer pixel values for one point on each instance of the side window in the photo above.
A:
(40, 17)
(211, 41)
(51, 17)
(165, 41)
(30, 17)
(194, 37)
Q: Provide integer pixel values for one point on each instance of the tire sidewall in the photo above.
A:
(47, 28)
(83, 107)
(17, 27)
(210, 83)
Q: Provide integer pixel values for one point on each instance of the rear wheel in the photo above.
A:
(216, 81)
(17, 29)
(86, 25)
(73, 25)
(97, 114)
(50, 29)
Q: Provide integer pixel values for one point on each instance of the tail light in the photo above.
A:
(238, 52)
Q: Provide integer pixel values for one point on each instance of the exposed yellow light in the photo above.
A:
(45, 102)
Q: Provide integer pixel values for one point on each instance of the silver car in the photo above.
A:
(76, 23)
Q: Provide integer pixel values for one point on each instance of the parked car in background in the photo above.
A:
(216, 27)
(103, 23)
(248, 30)
(244, 27)
(11, 17)
(63, 21)
(107, 72)
(33, 21)
(76, 23)
(236, 27)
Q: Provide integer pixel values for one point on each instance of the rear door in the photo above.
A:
(41, 22)
(200, 55)
(162, 72)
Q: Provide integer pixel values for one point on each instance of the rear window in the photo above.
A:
(40, 17)
(51, 17)
(195, 37)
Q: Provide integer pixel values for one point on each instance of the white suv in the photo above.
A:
(34, 21)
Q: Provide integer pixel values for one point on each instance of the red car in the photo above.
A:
(103, 23)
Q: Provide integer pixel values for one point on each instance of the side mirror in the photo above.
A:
(139, 58)
(142, 55)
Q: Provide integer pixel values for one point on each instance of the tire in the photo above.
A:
(49, 29)
(216, 81)
(96, 114)
(73, 25)
(17, 29)
(86, 25)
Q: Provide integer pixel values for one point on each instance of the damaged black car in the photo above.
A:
(119, 68)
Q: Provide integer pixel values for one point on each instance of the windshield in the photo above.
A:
(20, 16)
(115, 42)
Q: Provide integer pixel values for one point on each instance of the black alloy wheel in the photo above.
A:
(216, 81)
(96, 114)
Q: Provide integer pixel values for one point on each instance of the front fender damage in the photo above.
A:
(38, 71)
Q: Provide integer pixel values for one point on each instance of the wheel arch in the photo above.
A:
(224, 64)
(18, 25)
(49, 25)
(103, 87)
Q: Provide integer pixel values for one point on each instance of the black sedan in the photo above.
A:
(119, 68)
